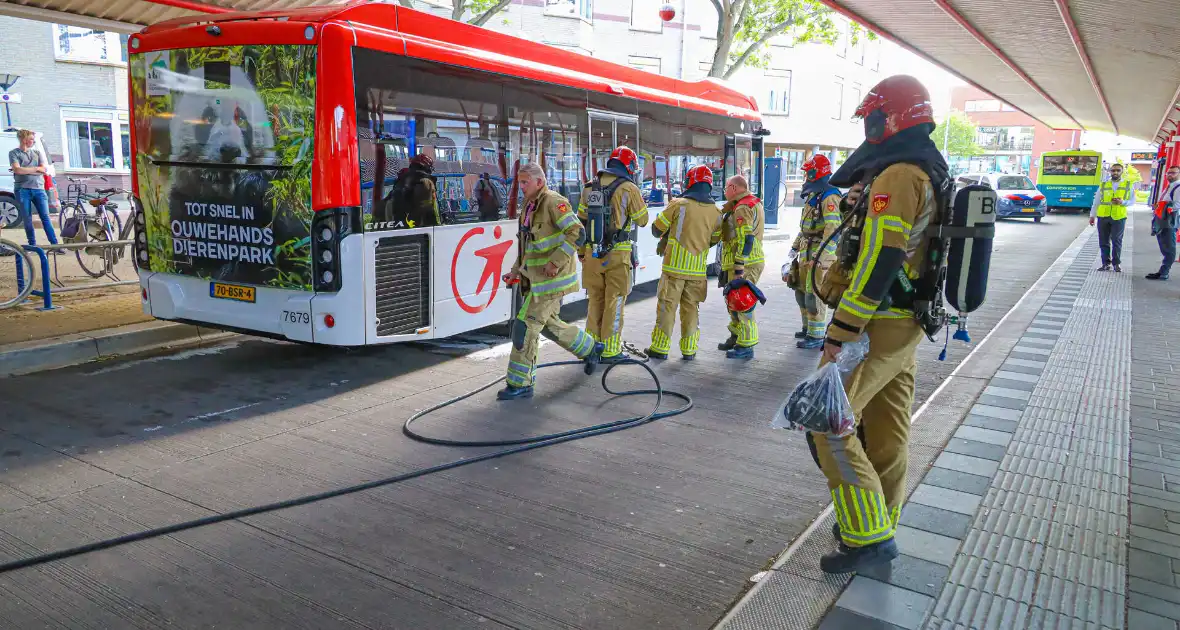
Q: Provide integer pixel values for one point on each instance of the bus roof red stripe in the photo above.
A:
(439, 39)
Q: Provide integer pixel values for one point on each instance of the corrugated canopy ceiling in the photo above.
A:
(1103, 65)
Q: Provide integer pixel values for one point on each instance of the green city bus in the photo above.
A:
(1070, 179)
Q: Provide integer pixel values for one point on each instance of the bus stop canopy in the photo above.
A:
(1103, 65)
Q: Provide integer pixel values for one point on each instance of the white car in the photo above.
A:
(10, 216)
(1018, 196)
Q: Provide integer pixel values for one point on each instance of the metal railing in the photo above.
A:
(25, 286)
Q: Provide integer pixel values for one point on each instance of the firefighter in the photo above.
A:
(607, 263)
(1110, 209)
(742, 222)
(549, 236)
(687, 229)
(905, 173)
(821, 218)
(413, 200)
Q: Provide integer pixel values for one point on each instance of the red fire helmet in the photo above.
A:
(424, 161)
(741, 299)
(895, 104)
(818, 166)
(626, 156)
(698, 174)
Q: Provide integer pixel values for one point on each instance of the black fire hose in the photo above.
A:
(517, 446)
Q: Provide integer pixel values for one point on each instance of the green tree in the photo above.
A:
(957, 132)
(481, 10)
(744, 27)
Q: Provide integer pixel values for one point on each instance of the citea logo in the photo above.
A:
(493, 256)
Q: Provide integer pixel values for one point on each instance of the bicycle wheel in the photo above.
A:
(95, 261)
(19, 257)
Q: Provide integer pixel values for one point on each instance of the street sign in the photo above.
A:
(9, 98)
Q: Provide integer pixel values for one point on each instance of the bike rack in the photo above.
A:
(47, 291)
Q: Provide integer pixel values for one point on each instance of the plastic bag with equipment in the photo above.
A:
(819, 403)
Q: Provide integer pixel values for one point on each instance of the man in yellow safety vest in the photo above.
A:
(1110, 209)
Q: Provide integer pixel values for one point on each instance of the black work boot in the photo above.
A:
(1157, 276)
(853, 559)
(1104, 267)
(836, 533)
(728, 344)
(1118, 269)
(593, 360)
(801, 334)
(810, 343)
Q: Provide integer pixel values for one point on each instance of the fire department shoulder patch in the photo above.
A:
(740, 220)
(880, 202)
(563, 208)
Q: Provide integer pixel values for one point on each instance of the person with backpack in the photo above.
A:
(413, 201)
(610, 207)
(487, 198)
(814, 248)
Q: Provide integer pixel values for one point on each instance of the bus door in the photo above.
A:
(609, 130)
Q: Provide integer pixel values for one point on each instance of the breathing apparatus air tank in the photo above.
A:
(970, 229)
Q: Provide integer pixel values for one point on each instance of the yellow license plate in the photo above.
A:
(231, 292)
(1029, 210)
(1067, 199)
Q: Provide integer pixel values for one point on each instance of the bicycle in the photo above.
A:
(104, 226)
(19, 256)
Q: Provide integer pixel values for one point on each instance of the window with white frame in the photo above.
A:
(707, 14)
(645, 16)
(95, 140)
(838, 84)
(856, 96)
(573, 8)
(650, 64)
(989, 105)
(75, 43)
(780, 94)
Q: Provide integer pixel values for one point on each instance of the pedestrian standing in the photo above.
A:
(1110, 211)
(687, 228)
(1164, 223)
(28, 177)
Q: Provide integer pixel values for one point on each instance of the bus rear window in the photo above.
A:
(225, 105)
(1085, 165)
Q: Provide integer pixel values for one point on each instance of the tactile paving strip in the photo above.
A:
(1047, 548)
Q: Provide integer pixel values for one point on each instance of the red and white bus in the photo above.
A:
(266, 146)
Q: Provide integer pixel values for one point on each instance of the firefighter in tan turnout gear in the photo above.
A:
(814, 248)
(871, 288)
(687, 228)
(611, 207)
(742, 223)
(549, 236)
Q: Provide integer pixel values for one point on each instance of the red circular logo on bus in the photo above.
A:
(493, 256)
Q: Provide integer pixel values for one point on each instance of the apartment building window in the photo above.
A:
(571, 8)
(74, 43)
(96, 140)
(838, 85)
(780, 94)
(856, 96)
(842, 41)
(650, 64)
(990, 105)
(645, 16)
